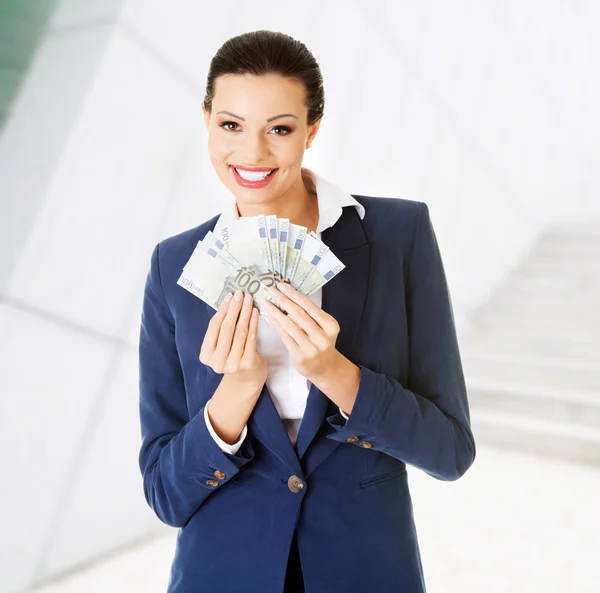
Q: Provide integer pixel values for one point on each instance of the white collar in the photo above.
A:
(331, 199)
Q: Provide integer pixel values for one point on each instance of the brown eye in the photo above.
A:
(286, 130)
(228, 123)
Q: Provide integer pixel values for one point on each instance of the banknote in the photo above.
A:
(251, 254)
(327, 267)
(247, 238)
(296, 238)
(274, 246)
(211, 241)
(210, 277)
(312, 252)
(283, 230)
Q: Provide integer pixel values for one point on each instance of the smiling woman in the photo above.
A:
(261, 115)
(258, 129)
(280, 448)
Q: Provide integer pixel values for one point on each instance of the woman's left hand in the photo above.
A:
(308, 332)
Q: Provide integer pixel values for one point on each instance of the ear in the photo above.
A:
(206, 115)
(312, 130)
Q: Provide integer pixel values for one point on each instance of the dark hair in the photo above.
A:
(269, 52)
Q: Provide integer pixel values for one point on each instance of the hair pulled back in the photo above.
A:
(269, 52)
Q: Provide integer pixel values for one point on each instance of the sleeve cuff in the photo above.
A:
(367, 412)
(225, 447)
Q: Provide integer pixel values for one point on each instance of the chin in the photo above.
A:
(252, 196)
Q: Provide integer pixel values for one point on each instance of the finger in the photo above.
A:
(227, 329)
(212, 333)
(250, 346)
(316, 312)
(241, 330)
(288, 326)
(298, 314)
(276, 318)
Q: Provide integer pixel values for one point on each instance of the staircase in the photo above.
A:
(532, 356)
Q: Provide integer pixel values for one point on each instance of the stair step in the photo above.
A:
(591, 239)
(537, 265)
(532, 355)
(531, 320)
(581, 288)
(502, 316)
(549, 302)
(553, 439)
(573, 230)
(536, 327)
(545, 372)
(535, 401)
(571, 338)
(537, 276)
(515, 293)
(590, 236)
(535, 349)
(542, 346)
(541, 285)
(566, 249)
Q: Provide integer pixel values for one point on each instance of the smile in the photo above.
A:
(255, 178)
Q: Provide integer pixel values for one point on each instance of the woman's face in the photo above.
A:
(258, 122)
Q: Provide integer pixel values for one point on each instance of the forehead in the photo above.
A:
(248, 94)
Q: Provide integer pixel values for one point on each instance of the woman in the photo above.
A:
(279, 446)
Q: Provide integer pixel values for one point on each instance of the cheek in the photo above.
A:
(289, 152)
(217, 145)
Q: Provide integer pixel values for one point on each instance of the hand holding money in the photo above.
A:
(229, 345)
(252, 254)
(308, 332)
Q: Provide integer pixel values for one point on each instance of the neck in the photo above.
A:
(299, 204)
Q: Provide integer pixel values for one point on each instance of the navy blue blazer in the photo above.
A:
(237, 513)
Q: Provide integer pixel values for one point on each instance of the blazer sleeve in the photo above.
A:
(179, 460)
(425, 423)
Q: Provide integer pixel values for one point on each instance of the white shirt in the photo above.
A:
(289, 389)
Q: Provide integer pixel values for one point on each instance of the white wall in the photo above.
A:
(486, 111)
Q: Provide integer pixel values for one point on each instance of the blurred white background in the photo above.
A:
(487, 111)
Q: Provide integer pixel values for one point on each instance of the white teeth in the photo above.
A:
(253, 176)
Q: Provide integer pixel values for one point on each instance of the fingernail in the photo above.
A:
(228, 297)
(282, 286)
(247, 299)
(238, 295)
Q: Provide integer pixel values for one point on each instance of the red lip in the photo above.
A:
(255, 169)
(253, 184)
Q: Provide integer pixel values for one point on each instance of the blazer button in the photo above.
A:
(365, 444)
(295, 484)
(219, 474)
(352, 439)
(212, 483)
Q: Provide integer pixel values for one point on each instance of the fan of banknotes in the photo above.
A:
(251, 254)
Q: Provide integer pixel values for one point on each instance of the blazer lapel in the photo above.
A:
(344, 299)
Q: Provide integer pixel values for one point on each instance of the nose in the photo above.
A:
(256, 148)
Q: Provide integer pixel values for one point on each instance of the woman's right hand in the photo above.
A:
(229, 346)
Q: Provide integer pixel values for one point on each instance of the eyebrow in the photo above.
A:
(268, 120)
